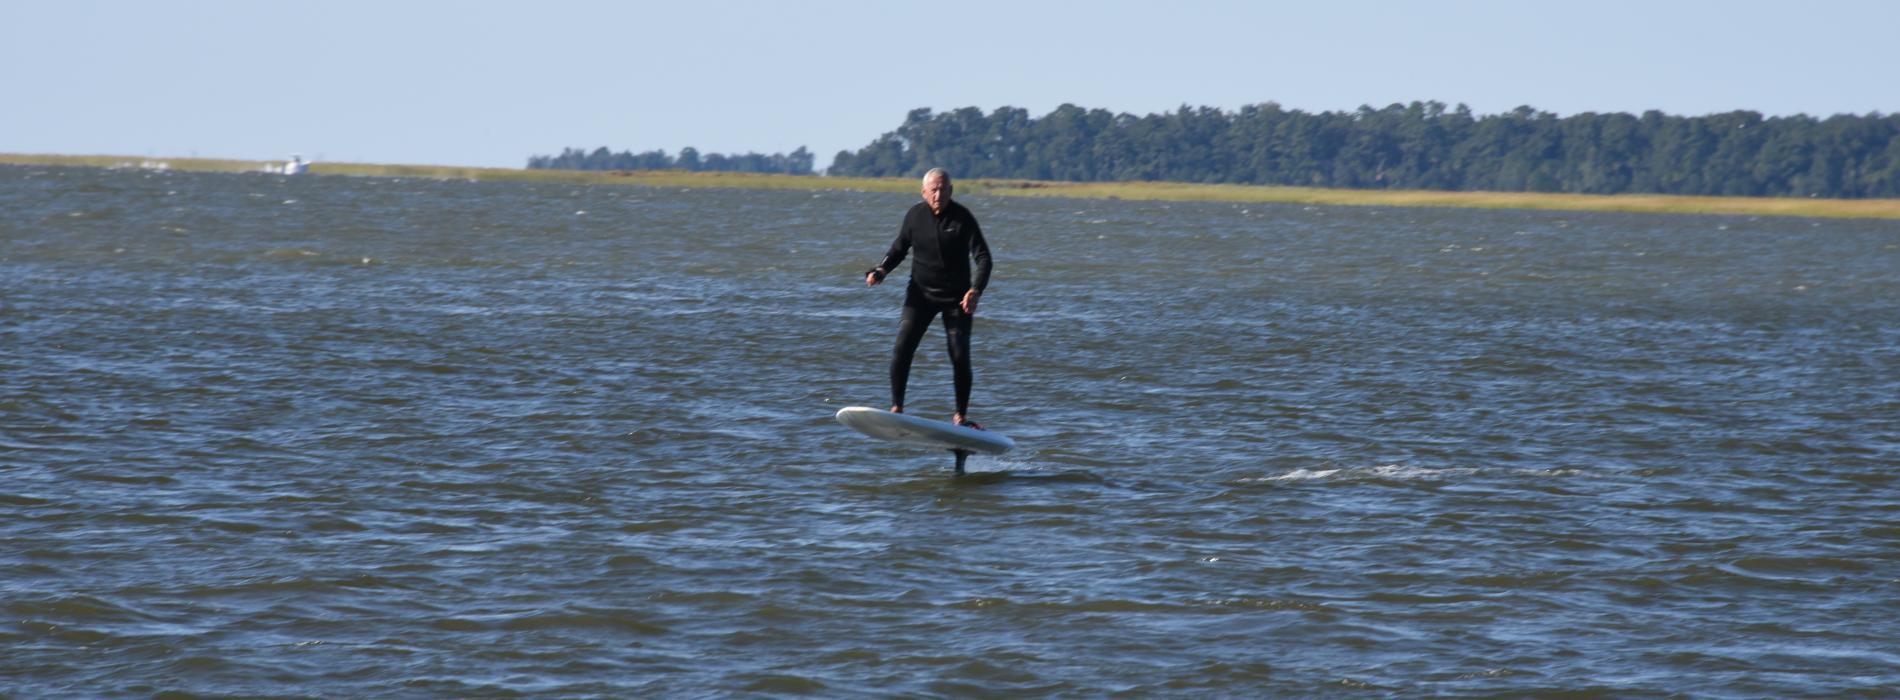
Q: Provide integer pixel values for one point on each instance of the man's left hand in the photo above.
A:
(969, 302)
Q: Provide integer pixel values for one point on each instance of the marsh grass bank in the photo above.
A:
(1153, 191)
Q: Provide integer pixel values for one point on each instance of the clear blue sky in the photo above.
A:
(479, 82)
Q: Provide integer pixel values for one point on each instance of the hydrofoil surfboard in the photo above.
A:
(923, 432)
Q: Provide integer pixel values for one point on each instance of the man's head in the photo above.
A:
(936, 189)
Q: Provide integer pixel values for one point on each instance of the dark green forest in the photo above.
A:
(1421, 145)
(798, 162)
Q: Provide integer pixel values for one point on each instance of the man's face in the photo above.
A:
(936, 193)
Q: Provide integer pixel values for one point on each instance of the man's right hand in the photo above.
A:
(871, 280)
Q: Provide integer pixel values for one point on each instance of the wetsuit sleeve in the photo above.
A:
(979, 249)
(899, 249)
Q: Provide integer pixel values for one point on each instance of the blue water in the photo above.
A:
(372, 437)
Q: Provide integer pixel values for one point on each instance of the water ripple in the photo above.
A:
(397, 437)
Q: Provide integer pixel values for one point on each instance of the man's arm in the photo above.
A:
(893, 257)
(979, 249)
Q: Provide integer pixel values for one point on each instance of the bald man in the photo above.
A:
(941, 238)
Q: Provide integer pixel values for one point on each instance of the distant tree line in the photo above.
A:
(798, 162)
(1417, 146)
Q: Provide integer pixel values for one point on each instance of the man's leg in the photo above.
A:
(910, 332)
(956, 329)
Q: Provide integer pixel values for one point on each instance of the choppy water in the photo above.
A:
(359, 437)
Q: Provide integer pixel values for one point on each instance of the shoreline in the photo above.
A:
(1141, 191)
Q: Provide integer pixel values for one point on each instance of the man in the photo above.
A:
(941, 237)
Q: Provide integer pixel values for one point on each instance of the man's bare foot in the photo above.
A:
(959, 420)
(897, 409)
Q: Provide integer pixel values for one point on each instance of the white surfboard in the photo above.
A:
(922, 432)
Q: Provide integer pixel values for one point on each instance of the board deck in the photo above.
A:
(922, 432)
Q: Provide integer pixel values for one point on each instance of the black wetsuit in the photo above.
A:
(940, 248)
